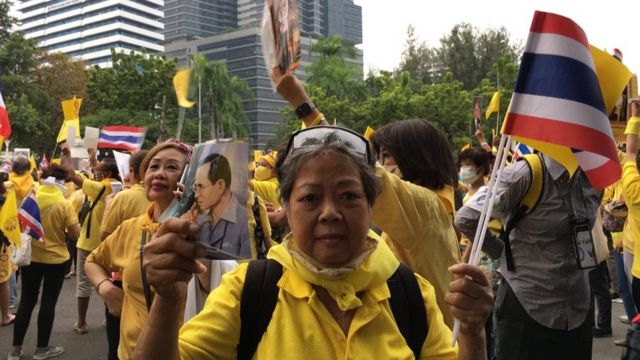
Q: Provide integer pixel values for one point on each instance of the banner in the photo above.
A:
(71, 113)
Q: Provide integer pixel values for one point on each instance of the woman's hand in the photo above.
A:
(470, 298)
(170, 258)
(288, 86)
(179, 191)
(114, 296)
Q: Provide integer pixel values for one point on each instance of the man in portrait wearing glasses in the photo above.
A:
(224, 221)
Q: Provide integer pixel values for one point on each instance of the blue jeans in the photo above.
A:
(13, 290)
(623, 286)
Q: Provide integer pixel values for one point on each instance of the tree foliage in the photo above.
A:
(222, 96)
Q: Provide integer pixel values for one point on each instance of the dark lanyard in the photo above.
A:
(145, 284)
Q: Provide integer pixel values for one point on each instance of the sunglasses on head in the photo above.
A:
(319, 135)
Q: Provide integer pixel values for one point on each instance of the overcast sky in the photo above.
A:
(608, 24)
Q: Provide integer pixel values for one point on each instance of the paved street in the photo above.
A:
(93, 346)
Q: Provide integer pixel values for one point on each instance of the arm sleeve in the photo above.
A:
(510, 190)
(409, 212)
(264, 218)
(215, 332)
(92, 189)
(631, 184)
(437, 345)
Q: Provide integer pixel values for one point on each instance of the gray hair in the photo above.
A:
(288, 166)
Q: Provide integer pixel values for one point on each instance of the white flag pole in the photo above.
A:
(485, 215)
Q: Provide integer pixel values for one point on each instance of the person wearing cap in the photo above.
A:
(48, 265)
(332, 297)
(264, 182)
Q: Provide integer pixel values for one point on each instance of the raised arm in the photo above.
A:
(292, 90)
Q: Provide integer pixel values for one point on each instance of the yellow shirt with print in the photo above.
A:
(55, 220)
(127, 204)
(631, 189)
(267, 190)
(91, 189)
(120, 251)
(308, 328)
(419, 230)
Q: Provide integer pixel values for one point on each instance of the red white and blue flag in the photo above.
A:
(29, 216)
(44, 163)
(557, 99)
(5, 126)
(128, 138)
(521, 150)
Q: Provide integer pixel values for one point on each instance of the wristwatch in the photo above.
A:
(305, 109)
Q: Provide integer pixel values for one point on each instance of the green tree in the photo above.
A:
(417, 59)
(29, 128)
(222, 97)
(6, 21)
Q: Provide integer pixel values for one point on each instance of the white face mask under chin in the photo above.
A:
(394, 169)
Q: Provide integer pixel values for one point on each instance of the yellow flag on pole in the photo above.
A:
(9, 223)
(368, 134)
(181, 83)
(494, 105)
(71, 112)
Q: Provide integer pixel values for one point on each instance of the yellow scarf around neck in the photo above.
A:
(22, 183)
(342, 284)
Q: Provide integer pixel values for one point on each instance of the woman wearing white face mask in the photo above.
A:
(474, 168)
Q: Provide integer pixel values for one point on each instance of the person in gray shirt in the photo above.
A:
(542, 304)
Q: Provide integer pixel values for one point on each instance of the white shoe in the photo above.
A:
(14, 356)
(624, 319)
(48, 352)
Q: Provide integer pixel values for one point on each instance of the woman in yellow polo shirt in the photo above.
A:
(160, 170)
(332, 297)
(48, 264)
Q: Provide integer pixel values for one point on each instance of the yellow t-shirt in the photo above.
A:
(631, 188)
(419, 230)
(267, 190)
(120, 251)
(55, 220)
(125, 205)
(307, 327)
(91, 189)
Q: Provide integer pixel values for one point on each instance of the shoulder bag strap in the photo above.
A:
(258, 300)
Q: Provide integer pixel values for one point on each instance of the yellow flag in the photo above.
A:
(494, 105)
(181, 83)
(612, 76)
(71, 112)
(32, 162)
(465, 147)
(9, 223)
(368, 134)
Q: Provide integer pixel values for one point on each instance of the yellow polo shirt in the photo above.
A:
(125, 205)
(419, 230)
(55, 220)
(120, 251)
(302, 327)
(91, 189)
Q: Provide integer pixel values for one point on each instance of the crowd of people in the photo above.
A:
(358, 248)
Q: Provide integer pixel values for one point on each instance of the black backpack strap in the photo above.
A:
(257, 302)
(408, 309)
(259, 231)
(95, 202)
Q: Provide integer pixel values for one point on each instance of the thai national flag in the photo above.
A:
(44, 163)
(521, 150)
(128, 138)
(29, 216)
(557, 99)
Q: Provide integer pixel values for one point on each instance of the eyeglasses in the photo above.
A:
(321, 135)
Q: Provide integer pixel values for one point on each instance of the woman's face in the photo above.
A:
(163, 173)
(328, 211)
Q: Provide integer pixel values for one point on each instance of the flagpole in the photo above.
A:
(485, 214)
(498, 85)
(6, 142)
(199, 109)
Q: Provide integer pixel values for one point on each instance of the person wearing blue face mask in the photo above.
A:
(474, 168)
